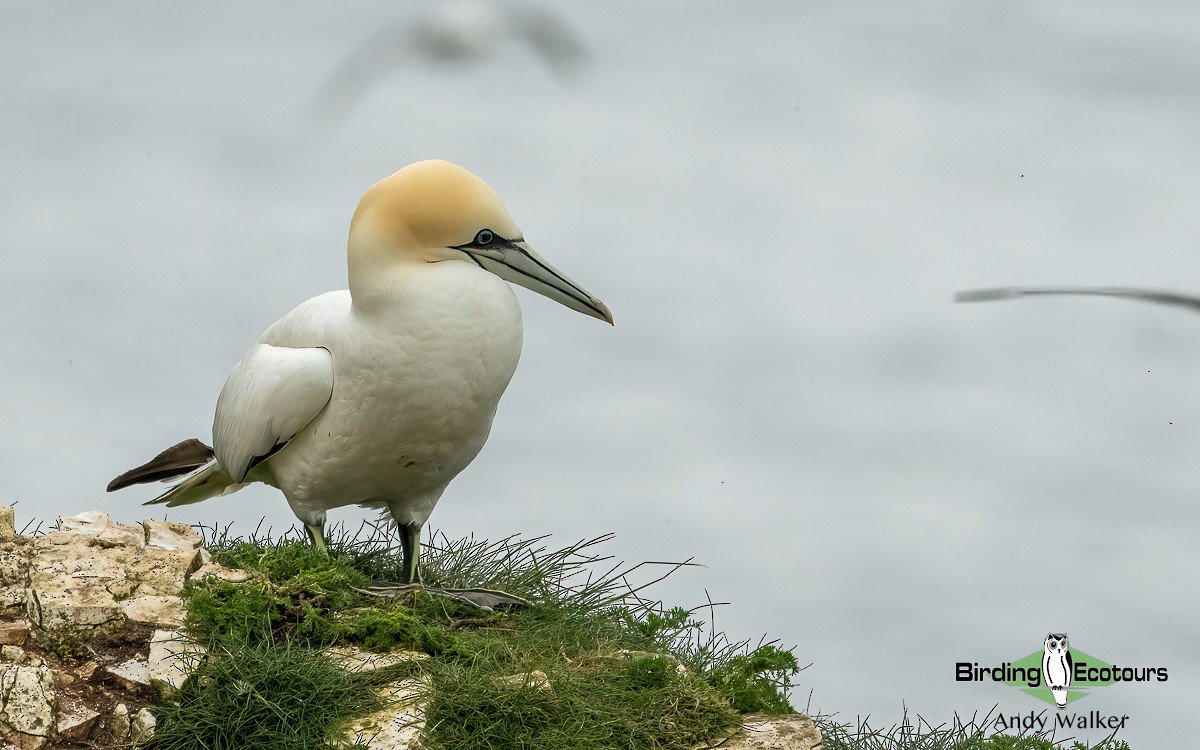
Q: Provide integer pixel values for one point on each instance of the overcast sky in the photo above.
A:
(777, 201)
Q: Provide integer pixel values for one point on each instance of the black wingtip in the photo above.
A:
(177, 460)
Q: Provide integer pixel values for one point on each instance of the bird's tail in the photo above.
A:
(204, 476)
(179, 459)
(208, 481)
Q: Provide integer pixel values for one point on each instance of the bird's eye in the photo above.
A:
(485, 237)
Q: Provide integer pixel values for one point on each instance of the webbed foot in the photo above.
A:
(485, 599)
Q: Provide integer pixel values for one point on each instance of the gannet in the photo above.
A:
(381, 394)
(1147, 295)
(465, 30)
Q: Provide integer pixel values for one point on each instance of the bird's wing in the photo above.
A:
(270, 396)
(352, 80)
(549, 35)
(1149, 295)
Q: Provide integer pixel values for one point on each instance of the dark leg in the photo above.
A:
(410, 542)
(410, 579)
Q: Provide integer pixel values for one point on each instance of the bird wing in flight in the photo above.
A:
(1149, 295)
(549, 35)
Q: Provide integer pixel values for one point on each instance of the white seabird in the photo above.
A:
(381, 394)
(460, 31)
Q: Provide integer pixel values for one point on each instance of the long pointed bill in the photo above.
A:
(519, 264)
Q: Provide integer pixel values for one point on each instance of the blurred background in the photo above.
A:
(777, 200)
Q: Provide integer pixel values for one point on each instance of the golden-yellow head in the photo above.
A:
(429, 206)
(434, 211)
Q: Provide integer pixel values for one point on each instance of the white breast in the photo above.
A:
(416, 385)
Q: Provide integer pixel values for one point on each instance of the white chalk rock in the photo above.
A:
(119, 722)
(91, 572)
(74, 725)
(229, 575)
(8, 522)
(141, 726)
(152, 609)
(399, 723)
(131, 673)
(170, 535)
(172, 658)
(761, 732)
(14, 573)
(26, 703)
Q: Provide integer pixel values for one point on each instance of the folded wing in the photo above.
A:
(272, 394)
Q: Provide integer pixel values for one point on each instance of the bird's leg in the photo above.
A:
(316, 535)
(410, 542)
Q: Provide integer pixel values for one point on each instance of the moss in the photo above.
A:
(301, 571)
(63, 640)
(626, 703)
(248, 611)
(299, 590)
(388, 627)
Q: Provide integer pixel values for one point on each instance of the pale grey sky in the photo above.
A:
(777, 204)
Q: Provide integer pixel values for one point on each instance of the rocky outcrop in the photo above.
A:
(91, 618)
(791, 732)
(401, 721)
(93, 573)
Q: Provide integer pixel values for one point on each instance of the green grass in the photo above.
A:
(623, 703)
(971, 734)
(265, 695)
(624, 671)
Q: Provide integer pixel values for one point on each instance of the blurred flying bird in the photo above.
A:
(450, 32)
(1146, 295)
(380, 395)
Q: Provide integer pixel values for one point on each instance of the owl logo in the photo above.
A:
(1057, 667)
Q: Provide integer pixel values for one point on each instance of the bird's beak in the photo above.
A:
(519, 263)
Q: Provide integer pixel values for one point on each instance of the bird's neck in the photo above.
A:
(376, 273)
(379, 288)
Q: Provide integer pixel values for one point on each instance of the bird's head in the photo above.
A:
(434, 211)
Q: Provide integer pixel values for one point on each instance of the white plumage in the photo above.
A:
(379, 396)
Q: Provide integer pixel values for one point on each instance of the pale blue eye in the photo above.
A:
(485, 237)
